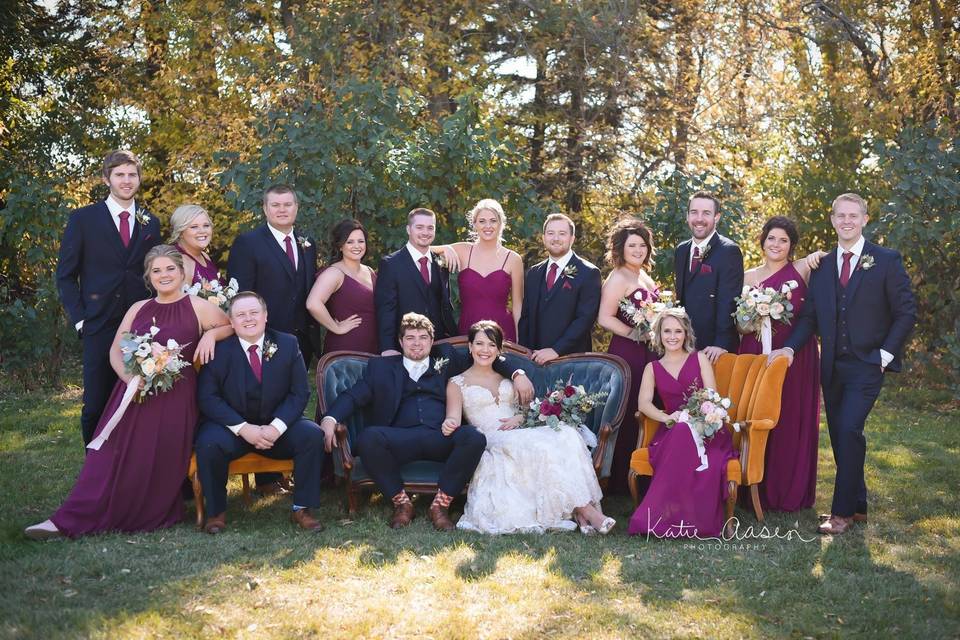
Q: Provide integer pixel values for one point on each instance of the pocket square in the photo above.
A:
(567, 285)
(705, 268)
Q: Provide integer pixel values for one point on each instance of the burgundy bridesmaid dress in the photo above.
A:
(681, 501)
(637, 355)
(353, 297)
(790, 473)
(132, 483)
(485, 298)
(208, 272)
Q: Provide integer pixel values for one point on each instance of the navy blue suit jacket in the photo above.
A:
(561, 318)
(259, 264)
(880, 315)
(381, 388)
(400, 289)
(224, 383)
(709, 293)
(97, 277)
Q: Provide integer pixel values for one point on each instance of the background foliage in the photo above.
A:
(593, 108)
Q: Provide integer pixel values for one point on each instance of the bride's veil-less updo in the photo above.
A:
(487, 204)
(490, 329)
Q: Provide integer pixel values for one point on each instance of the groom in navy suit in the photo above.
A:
(561, 297)
(708, 274)
(407, 399)
(410, 280)
(100, 274)
(252, 396)
(861, 305)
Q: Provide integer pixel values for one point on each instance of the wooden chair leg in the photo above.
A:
(197, 498)
(351, 498)
(731, 497)
(755, 496)
(632, 483)
(247, 501)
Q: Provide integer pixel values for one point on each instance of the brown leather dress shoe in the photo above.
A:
(272, 489)
(440, 518)
(304, 520)
(857, 517)
(216, 524)
(402, 515)
(835, 526)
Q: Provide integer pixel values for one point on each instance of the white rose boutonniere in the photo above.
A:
(143, 217)
(269, 348)
(440, 363)
(570, 271)
(867, 261)
(441, 260)
(303, 242)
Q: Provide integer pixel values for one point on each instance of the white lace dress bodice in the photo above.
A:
(528, 480)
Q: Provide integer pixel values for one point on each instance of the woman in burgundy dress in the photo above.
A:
(191, 233)
(790, 471)
(630, 251)
(491, 276)
(685, 498)
(342, 295)
(132, 482)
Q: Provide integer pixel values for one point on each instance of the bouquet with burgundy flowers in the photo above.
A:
(565, 406)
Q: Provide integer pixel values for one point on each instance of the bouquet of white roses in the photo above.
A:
(215, 292)
(642, 311)
(705, 413)
(158, 365)
(758, 306)
(566, 405)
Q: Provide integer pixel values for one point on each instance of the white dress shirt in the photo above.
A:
(416, 368)
(277, 423)
(281, 240)
(561, 263)
(416, 255)
(702, 245)
(857, 250)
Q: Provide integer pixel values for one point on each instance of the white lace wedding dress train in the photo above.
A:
(528, 480)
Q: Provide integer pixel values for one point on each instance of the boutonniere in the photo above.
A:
(867, 261)
(570, 271)
(706, 252)
(143, 217)
(440, 260)
(303, 242)
(440, 363)
(269, 348)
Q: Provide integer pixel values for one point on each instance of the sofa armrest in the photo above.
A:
(343, 444)
(600, 451)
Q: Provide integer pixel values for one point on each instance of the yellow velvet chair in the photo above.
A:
(755, 390)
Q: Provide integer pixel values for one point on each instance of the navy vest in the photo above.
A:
(423, 402)
(843, 329)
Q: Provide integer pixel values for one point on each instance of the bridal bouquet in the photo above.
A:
(566, 405)
(705, 412)
(157, 365)
(642, 312)
(758, 306)
(215, 292)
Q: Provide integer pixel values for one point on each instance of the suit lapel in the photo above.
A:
(137, 230)
(714, 241)
(682, 267)
(857, 276)
(562, 278)
(414, 271)
(109, 231)
(534, 291)
(830, 286)
(273, 248)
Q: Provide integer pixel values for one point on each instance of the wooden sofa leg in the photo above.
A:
(197, 498)
(246, 490)
(731, 498)
(755, 496)
(351, 498)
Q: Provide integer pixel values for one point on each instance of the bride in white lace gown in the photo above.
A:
(528, 480)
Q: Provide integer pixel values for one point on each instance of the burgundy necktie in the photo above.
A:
(125, 228)
(552, 276)
(423, 270)
(293, 260)
(845, 269)
(695, 263)
(255, 362)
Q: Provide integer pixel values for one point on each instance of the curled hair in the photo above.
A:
(488, 328)
(181, 218)
(487, 204)
(245, 295)
(786, 225)
(617, 240)
(120, 157)
(341, 233)
(161, 251)
(415, 322)
(689, 340)
(280, 189)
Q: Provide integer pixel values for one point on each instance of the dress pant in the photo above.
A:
(99, 378)
(848, 399)
(384, 450)
(216, 446)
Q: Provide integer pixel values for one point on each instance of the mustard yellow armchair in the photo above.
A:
(755, 390)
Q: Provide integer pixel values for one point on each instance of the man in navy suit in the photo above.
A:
(407, 398)
(561, 296)
(410, 280)
(252, 396)
(100, 274)
(708, 274)
(279, 264)
(861, 305)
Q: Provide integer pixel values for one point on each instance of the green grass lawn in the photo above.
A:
(898, 576)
